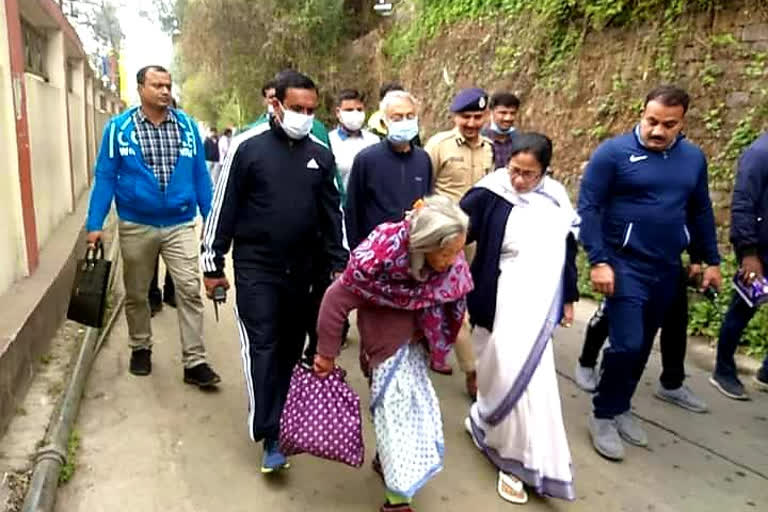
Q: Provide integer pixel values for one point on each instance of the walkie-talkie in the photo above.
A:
(710, 292)
(219, 297)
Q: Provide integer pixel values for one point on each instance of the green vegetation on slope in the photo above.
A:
(560, 24)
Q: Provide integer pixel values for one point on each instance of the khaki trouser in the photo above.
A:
(178, 245)
(465, 353)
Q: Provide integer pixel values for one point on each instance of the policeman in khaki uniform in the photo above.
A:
(460, 158)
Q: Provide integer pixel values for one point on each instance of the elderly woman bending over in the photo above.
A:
(408, 281)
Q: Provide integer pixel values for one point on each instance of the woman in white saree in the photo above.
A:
(525, 284)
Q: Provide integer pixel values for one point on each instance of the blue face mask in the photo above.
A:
(403, 131)
(497, 129)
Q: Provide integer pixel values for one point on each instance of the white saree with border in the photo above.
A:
(517, 419)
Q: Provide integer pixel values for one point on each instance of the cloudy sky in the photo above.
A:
(144, 42)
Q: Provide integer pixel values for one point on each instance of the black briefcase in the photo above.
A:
(89, 292)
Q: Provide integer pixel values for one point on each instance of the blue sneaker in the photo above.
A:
(273, 460)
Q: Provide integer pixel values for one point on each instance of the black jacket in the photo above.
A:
(211, 149)
(274, 196)
(749, 208)
(382, 185)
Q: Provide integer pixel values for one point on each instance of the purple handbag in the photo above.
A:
(321, 417)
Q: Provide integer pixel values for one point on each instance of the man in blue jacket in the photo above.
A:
(152, 164)
(644, 198)
(749, 236)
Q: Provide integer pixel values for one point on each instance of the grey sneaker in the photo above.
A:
(605, 438)
(729, 386)
(761, 380)
(586, 378)
(682, 397)
(630, 430)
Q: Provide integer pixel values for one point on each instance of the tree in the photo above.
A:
(99, 17)
(169, 14)
(240, 44)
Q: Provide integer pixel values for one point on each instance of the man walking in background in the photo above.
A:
(268, 94)
(376, 122)
(224, 142)
(152, 164)
(644, 198)
(749, 236)
(349, 138)
(387, 178)
(501, 130)
(276, 200)
(460, 158)
(212, 153)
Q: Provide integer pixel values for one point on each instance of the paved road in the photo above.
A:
(155, 444)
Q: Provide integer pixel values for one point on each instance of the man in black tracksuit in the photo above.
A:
(275, 194)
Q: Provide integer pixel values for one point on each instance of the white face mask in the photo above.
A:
(352, 120)
(295, 125)
(498, 129)
(403, 131)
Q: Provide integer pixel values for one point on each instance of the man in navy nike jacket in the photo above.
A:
(644, 198)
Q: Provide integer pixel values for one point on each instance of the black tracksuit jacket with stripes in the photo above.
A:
(276, 200)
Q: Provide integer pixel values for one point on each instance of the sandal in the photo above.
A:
(511, 489)
(388, 507)
(442, 368)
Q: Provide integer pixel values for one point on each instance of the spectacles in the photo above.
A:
(526, 174)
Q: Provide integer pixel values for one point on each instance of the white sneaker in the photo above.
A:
(586, 378)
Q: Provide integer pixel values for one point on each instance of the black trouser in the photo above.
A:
(674, 333)
(736, 319)
(315, 299)
(271, 315)
(169, 290)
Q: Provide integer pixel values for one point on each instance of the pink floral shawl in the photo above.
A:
(379, 272)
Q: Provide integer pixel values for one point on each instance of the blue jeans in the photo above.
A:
(635, 312)
(673, 339)
(736, 319)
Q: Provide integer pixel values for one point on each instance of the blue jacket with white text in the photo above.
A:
(122, 174)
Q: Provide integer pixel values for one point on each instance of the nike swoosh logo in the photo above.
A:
(635, 158)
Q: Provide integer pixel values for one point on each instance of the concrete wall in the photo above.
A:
(78, 140)
(48, 147)
(64, 122)
(12, 248)
(48, 141)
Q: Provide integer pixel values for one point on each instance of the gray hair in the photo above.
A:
(394, 96)
(433, 226)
